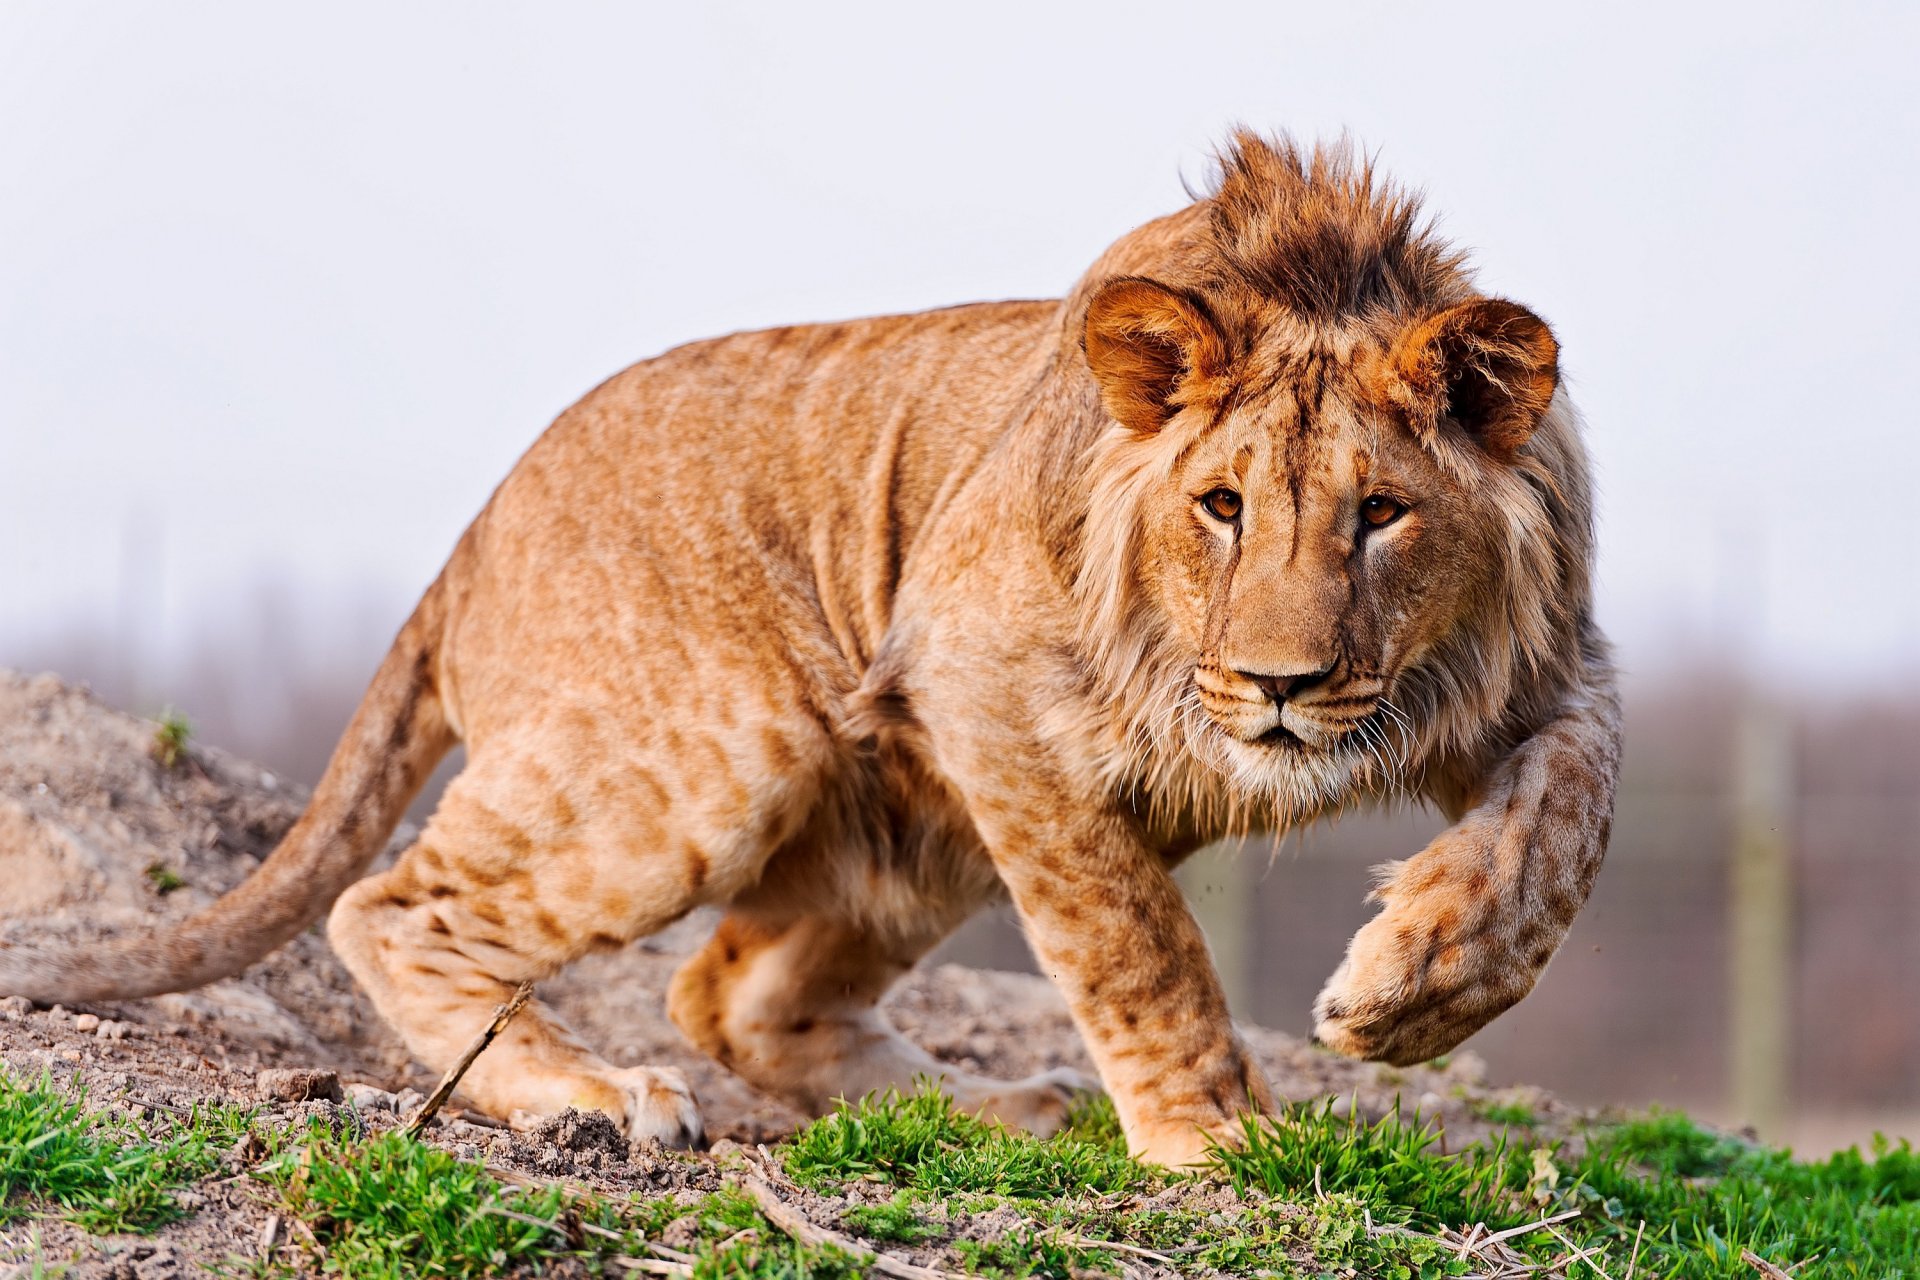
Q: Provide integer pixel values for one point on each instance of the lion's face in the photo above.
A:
(1303, 521)
(1305, 548)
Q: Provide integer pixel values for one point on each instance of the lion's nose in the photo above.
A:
(1281, 685)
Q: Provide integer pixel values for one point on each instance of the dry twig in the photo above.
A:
(652, 1266)
(801, 1228)
(577, 1191)
(442, 1091)
(1496, 1259)
(1765, 1268)
(1579, 1254)
(1082, 1242)
(527, 1218)
(676, 1262)
(1511, 1232)
(516, 1178)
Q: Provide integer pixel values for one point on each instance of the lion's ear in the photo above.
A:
(1151, 349)
(1490, 366)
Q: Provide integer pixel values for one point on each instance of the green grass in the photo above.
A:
(170, 734)
(897, 1220)
(917, 1140)
(97, 1170)
(1320, 1195)
(1702, 1198)
(1391, 1165)
(164, 878)
(1064, 1188)
(1710, 1197)
(1024, 1255)
(1514, 1114)
(392, 1208)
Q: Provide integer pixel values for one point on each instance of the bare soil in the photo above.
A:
(98, 838)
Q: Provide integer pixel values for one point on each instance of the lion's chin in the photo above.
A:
(1280, 772)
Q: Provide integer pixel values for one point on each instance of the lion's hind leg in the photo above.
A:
(483, 903)
(790, 1004)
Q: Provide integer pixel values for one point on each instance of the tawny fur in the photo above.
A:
(852, 628)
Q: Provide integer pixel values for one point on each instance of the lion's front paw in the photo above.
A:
(1418, 980)
(1176, 1147)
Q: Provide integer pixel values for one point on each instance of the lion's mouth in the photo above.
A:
(1281, 736)
(1276, 725)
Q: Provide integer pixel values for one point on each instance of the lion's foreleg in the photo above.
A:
(1468, 924)
(1112, 930)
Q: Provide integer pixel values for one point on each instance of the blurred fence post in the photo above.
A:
(1218, 881)
(1760, 918)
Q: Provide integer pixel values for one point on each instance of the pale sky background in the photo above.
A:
(284, 291)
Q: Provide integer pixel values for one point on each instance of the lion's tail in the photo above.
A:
(397, 735)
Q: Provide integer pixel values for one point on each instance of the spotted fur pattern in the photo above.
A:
(852, 628)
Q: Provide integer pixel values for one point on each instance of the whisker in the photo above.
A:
(1383, 752)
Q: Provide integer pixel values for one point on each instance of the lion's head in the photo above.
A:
(1338, 521)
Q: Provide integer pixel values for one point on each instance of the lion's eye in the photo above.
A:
(1221, 504)
(1380, 510)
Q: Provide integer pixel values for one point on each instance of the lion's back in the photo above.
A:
(737, 498)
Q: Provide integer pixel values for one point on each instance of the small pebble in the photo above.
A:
(366, 1097)
(409, 1101)
(86, 1022)
(298, 1084)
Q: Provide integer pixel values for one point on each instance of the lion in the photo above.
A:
(850, 629)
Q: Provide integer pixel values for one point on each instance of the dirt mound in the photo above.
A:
(98, 837)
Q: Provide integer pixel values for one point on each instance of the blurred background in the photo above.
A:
(284, 292)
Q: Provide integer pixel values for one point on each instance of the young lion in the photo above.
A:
(851, 628)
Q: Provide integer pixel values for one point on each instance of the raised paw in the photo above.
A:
(1039, 1104)
(1421, 977)
(650, 1104)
